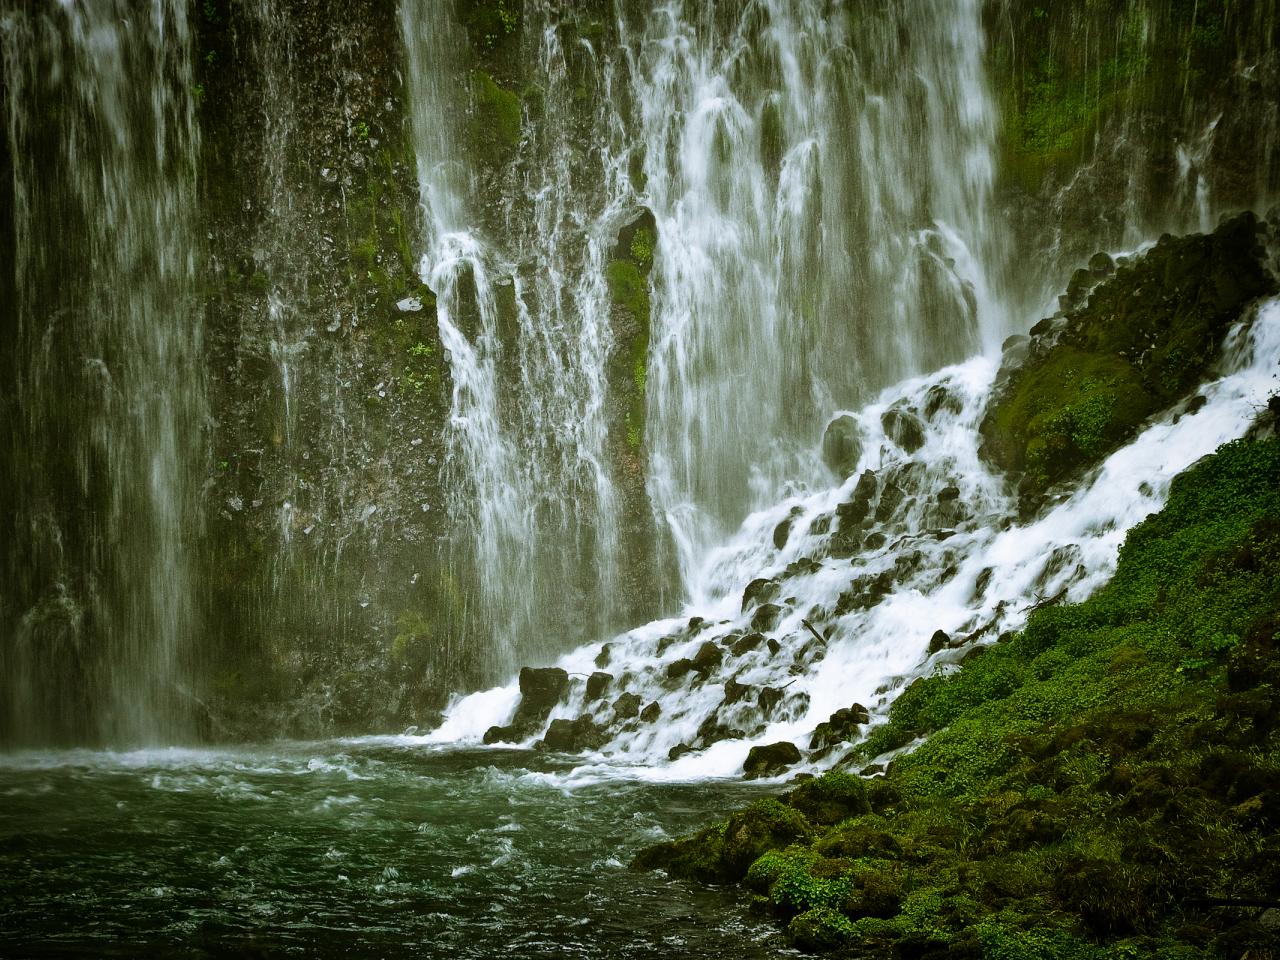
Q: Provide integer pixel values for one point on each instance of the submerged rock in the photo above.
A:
(771, 759)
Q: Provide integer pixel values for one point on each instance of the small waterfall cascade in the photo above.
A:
(794, 628)
(104, 441)
(822, 186)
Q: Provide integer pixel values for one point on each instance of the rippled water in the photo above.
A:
(368, 848)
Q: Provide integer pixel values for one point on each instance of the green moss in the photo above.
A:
(1146, 336)
(629, 290)
(1088, 782)
(495, 128)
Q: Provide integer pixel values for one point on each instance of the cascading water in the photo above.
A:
(526, 327)
(941, 550)
(104, 445)
(822, 187)
(783, 252)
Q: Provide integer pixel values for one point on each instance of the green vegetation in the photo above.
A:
(495, 129)
(1146, 336)
(1104, 784)
(1062, 81)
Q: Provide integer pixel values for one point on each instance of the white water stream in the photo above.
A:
(947, 554)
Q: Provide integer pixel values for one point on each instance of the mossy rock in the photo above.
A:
(495, 126)
(1144, 339)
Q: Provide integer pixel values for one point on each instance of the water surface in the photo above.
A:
(368, 848)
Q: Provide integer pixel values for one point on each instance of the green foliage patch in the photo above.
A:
(1087, 789)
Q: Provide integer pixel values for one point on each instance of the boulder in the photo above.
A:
(903, 428)
(678, 751)
(708, 657)
(598, 685)
(841, 727)
(939, 641)
(507, 734)
(866, 486)
(759, 590)
(627, 706)
(735, 691)
(771, 760)
(574, 736)
(540, 690)
(651, 713)
(677, 669)
(782, 532)
(766, 617)
(745, 645)
(841, 445)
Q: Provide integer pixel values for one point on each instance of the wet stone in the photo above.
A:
(627, 706)
(890, 499)
(903, 428)
(759, 590)
(676, 670)
(782, 532)
(598, 685)
(602, 658)
(746, 644)
(651, 713)
(735, 691)
(574, 736)
(771, 759)
(939, 641)
(767, 617)
(841, 445)
(938, 399)
(865, 488)
(768, 699)
(678, 751)
(708, 657)
(540, 689)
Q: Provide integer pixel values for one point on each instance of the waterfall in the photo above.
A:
(822, 185)
(103, 443)
(802, 257)
(526, 326)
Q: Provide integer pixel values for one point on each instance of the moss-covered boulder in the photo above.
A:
(1145, 337)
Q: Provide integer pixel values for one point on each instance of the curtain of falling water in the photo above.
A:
(821, 186)
(104, 445)
(525, 324)
(822, 181)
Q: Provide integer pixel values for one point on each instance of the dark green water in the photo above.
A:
(371, 848)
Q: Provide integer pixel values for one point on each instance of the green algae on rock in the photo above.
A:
(1144, 338)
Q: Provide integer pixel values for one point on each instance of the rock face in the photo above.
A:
(765, 761)
(841, 445)
(1146, 336)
